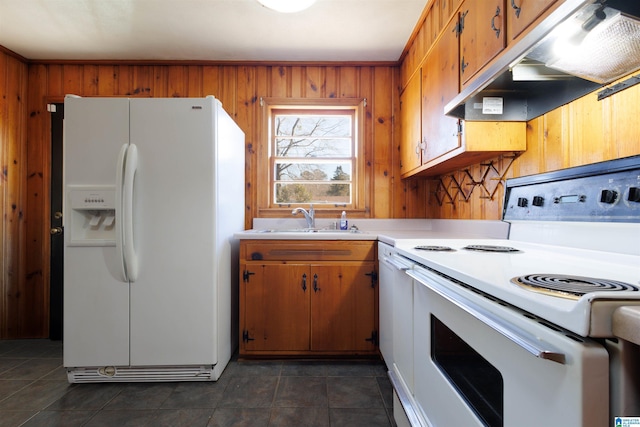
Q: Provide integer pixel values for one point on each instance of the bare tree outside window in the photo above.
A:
(313, 156)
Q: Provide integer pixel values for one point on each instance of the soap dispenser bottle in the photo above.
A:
(343, 221)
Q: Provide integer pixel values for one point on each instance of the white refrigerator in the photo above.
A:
(154, 191)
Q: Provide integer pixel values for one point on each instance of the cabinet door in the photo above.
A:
(521, 13)
(343, 307)
(276, 309)
(482, 35)
(410, 122)
(439, 86)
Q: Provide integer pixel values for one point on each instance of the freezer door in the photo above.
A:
(173, 296)
(96, 301)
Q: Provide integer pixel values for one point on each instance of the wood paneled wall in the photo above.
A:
(581, 132)
(240, 88)
(26, 146)
(16, 300)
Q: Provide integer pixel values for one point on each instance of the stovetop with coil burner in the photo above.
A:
(567, 286)
(577, 230)
(492, 272)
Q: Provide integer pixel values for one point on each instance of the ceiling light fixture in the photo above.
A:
(287, 6)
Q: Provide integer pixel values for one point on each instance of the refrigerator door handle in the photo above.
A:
(130, 168)
(119, 220)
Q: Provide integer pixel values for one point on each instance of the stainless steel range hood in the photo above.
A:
(601, 40)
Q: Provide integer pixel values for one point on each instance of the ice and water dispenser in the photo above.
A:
(93, 215)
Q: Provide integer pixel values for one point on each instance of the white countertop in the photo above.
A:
(300, 234)
(385, 230)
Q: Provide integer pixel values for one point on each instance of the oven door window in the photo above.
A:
(475, 379)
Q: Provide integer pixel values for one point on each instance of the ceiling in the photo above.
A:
(211, 30)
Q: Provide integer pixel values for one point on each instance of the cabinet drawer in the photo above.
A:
(301, 250)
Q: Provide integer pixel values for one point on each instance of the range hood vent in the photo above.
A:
(578, 48)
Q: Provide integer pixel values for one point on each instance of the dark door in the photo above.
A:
(57, 237)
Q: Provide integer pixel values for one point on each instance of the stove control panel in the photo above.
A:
(602, 192)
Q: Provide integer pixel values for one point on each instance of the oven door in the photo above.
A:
(482, 363)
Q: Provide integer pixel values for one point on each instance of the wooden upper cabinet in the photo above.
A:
(480, 141)
(411, 124)
(439, 86)
(482, 35)
(441, 143)
(448, 8)
(521, 13)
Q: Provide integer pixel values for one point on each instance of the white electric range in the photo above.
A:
(518, 331)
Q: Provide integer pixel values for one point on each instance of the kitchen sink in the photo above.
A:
(306, 234)
(305, 230)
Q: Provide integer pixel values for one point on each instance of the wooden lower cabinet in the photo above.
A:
(297, 307)
(343, 308)
(276, 308)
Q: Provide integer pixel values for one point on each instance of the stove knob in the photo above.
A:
(634, 194)
(523, 202)
(538, 201)
(608, 196)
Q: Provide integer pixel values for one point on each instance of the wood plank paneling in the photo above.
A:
(624, 126)
(578, 133)
(333, 77)
(586, 132)
(25, 250)
(6, 251)
(367, 83)
(90, 80)
(16, 298)
(72, 79)
(142, 81)
(107, 79)
(383, 170)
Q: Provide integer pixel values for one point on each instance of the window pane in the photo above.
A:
(288, 171)
(287, 193)
(326, 126)
(313, 182)
(319, 147)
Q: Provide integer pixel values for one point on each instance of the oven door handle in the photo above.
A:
(514, 334)
(397, 262)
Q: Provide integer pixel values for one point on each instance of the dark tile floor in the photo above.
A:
(34, 392)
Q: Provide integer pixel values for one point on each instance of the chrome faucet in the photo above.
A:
(308, 216)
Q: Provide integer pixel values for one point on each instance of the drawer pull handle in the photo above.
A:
(304, 282)
(315, 283)
(516, 8)
(393, 261)
(493, 26)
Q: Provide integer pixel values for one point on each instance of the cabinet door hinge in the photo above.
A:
(245, 336)
(246, 274)
(374, 338)
(459, 27)
(374, 278)
(459, 127)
